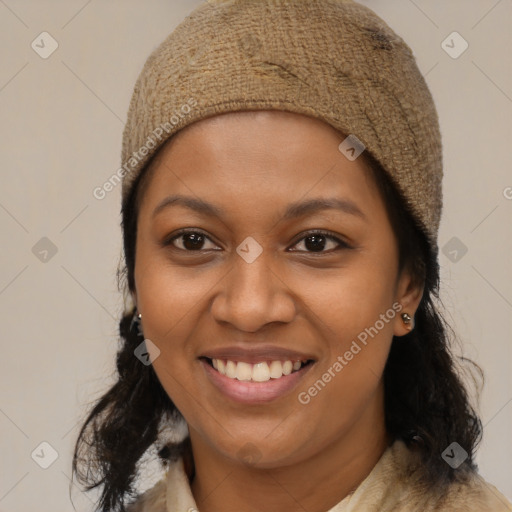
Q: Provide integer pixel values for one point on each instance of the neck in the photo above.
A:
(316, 484)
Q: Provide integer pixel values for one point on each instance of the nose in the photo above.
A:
(252, 295)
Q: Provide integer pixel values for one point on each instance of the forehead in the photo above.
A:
(257, 158)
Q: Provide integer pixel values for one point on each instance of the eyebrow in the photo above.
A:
(294, 210)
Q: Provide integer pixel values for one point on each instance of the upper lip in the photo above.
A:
(257, 354)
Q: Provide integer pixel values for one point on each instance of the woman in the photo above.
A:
(282, 171)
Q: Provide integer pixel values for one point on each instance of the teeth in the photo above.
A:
(276, 369)
(243, 371)
(287, 367)
(258, 372)
(231, 369)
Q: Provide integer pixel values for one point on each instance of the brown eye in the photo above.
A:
(318, 241)
(189, 241)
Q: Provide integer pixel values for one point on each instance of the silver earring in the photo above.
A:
(406, 318)
(136, 320)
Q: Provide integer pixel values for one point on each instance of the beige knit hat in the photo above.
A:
(334, 60)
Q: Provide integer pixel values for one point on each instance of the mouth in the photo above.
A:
(256, 382)
(261, 371)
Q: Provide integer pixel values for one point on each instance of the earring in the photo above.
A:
(136, 320)
(406, 318)
(408, 321)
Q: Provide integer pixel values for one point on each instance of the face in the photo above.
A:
(267, 276)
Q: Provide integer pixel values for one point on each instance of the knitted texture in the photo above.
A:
(334, 60)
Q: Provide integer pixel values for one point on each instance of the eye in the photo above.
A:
(316, 241)
(189, 240)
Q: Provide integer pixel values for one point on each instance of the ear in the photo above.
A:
(408, 294)
(134, 298)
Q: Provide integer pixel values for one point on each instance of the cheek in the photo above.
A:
(353, 311)
(347, 382)
(170, 321)
(169, 296)
(348, 300)
(170, 306)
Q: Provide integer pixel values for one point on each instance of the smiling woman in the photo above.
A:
(281, 263)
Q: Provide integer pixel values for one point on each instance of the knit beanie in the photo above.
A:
(334, 60)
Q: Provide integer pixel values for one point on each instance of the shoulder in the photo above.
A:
(396, 484)
(474, 494)
(469, 492)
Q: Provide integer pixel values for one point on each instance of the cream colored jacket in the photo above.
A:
(391, 486)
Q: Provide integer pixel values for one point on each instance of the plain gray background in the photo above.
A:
(62, 120)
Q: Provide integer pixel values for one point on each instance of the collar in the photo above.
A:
(393, 485)
(180, 498)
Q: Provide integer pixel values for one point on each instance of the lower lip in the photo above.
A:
(249, 392)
